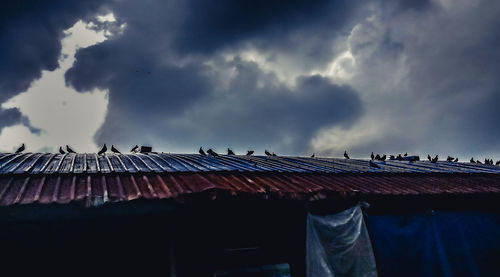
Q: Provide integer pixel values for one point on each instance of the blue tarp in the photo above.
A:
(436, 244)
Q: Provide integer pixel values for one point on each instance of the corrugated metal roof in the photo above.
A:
(41, 163)
(96, 189)
(96, 179)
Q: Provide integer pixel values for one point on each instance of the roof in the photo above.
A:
(95, 179)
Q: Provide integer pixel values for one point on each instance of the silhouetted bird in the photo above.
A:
(114, 150)
(429, 157)
(274, 155)
(69, 149)
(377, 157)
(383, 157)
(212, 152)
(449, 159)
(313, 155)
(472, 160)
(455, 160)
(345, 155)
(372, 164)
(20, 149)
(134, 149)
(250, 152)
(479, 162)
(392, 158)
(435, 159)
(202, 152)
(230, 152)
(399, 157)
(267, 153)
(103, 150)
(372, 156)
(61, 151)
(406, 154)
(497, 163)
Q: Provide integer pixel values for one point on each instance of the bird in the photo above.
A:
(472, 160)
(212, 152)
(230, 152)
(455, 160)
(345, 155)
(372, 164)
(429, 157)
(497, 163)
(274, 154)
(391, 157)
(313, 155)
(134, 149)
(449, 159)
(267, 153)
(478, 162)
(406, 154)
(383, 157)
(250, 152)
(202, 152)
(103, 150)
(67, 149)
(372, 156)
(435, 159)
(61, 151)
(377, 157)
(20, 149)
(114, 150)
(399, 157)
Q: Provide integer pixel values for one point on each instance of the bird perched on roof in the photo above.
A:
(399, 157)
(345, 155)
(103, 150)
(250, 152)
(383, 157)
(377, 157)
(429, 157)
(455, 160)
(497, 163)
(20, 149)
(406, 154)
(61, 151)
(134, 149)
(449, 159)
(372, 164)
(372, 156)
(392, 158)
(472, 160)
(435, 159)
(274, 154)
(479, 162)
(267, 153)
(202, 152)
(313, 155)
(212, 152)
(69, 149)
(230, 152)
(114, 150)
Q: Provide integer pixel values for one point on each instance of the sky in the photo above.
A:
(293, 77)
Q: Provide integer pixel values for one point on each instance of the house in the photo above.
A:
(191, 215)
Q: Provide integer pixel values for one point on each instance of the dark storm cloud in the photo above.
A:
(12, 116)
(30, 39)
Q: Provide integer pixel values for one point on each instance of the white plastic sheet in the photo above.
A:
(338, 245)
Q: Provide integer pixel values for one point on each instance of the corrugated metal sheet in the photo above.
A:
(96, 189)
(96, 179)
(40, 163)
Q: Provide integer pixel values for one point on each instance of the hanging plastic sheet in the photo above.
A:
(338, 245)
(436, 244)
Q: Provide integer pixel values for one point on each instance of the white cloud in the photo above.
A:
(64, 115)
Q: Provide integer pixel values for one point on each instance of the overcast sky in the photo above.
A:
(295, 77)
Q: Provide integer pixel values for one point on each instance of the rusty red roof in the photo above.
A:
(94, 180)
